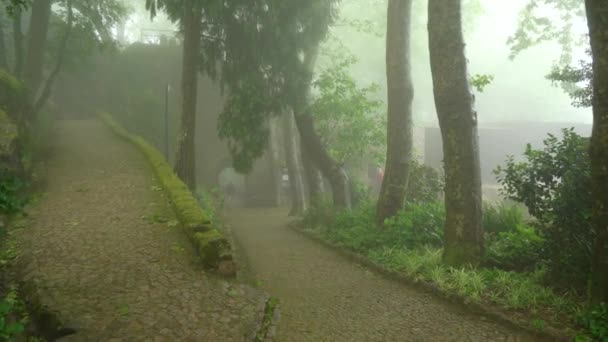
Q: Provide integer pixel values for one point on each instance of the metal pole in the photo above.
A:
(167, 122)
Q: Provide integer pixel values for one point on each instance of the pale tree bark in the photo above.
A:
(400, 98)
(463, 242)
(185, 157)
(36, 45)
(18, 42)
(274, 160)
(311, 142)
(294, 165)
(597, 19)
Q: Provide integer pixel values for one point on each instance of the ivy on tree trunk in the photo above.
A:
(454, 102)
(597, 19)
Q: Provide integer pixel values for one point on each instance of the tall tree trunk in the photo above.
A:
(312, 143)
(185, 167)
(274, 160)
(458, 122)
(294, 165)
(48, 85)
(400, 97)
(36, 44)
(597, 19)
(18, 42)
(314, 179)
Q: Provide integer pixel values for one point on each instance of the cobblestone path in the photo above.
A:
(104, 253)
(325, 297)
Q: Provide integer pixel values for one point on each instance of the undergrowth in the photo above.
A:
(514, 276)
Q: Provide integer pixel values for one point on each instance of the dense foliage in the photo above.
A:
(554, 184)
(425, 184)
(576, 81)
(347, 117)
(12, 198)
(411, 243)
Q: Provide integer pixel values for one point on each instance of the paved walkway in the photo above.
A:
(325, 297)
(102, 249)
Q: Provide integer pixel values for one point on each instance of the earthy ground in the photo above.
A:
(325, 297)
(103, 250)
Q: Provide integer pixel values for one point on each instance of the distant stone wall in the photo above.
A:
(497, 141)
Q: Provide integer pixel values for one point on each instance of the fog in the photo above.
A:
(520, 90)
(275, 170)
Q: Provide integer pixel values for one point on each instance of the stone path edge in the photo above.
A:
(214, 250)
(548, 333)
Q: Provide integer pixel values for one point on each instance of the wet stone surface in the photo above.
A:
(326, 297)
(104, 252)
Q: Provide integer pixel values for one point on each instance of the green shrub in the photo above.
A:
(12, 198)
(9, 326)
(322, 214)
(498, 218)
(519, 249)
(355, 229)
(555, 185)
(424, 184)
(417, 225)
(13, 96)
(595, 320)
(508, 289)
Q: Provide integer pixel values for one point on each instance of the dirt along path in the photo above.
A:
(325, 297)
(104, 251)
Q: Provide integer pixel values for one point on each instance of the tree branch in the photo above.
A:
(46, 92)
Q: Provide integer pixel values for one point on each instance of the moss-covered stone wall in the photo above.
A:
(213, 248)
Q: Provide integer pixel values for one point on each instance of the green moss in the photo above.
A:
(8, 133)
(212, 247)
(208, 241)
(13, 95)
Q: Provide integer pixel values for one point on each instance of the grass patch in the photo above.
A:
(411, 244)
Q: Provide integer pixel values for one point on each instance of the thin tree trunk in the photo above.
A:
(294, 165)
(314, 180)
(312, 143)
(36, 44)
(185, 167)
(48, 86)
(597, 19)
(458, 122)
(274, 160)
(400, 97)
(18, 42)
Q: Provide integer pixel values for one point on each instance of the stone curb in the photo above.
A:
(548, 333)
(212, 247)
